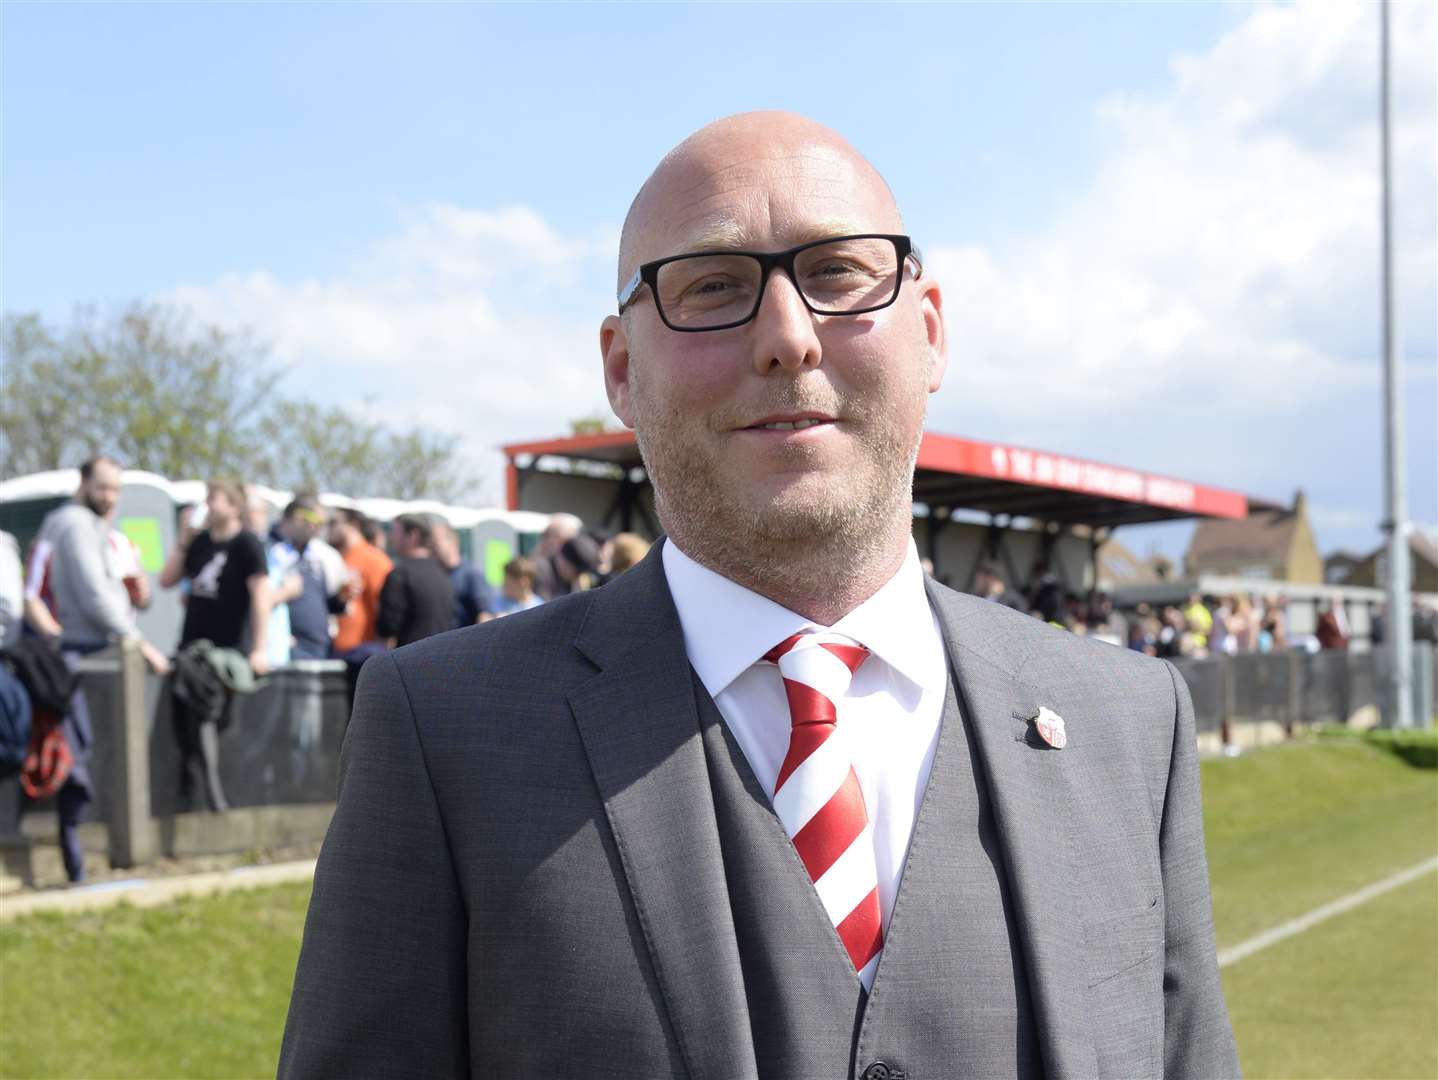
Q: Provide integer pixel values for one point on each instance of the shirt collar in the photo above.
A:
(727, 627)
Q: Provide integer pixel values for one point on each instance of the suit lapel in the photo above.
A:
(639, 725)
(1032, 789)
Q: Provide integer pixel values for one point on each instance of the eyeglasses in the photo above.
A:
(845, 275)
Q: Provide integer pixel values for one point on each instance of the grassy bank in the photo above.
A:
(199, 988)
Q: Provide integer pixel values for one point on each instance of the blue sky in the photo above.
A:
(1157, 223)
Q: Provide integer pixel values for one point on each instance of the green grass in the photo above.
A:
(1356, 996)
(1298, 825)
(197, 988)
(1418, 748)
(1295, 827)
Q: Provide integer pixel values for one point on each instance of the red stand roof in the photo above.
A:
(993, 478)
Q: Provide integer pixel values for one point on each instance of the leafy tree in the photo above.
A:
(47, 412)
(311, 447)
(426, 465)
(596, 423)
(143, 386)
(184, 401)
(317, 448)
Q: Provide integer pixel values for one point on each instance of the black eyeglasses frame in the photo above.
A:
(648, 274)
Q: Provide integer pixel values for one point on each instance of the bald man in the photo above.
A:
(772, 803)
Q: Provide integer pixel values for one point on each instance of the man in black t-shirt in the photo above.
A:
(417, 599)
(228, 575)
(228, 605)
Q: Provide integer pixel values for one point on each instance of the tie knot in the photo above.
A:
(822, 660)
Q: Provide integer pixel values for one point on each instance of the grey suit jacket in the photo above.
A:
(523, 877)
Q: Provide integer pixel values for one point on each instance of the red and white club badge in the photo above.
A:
(1050, 726)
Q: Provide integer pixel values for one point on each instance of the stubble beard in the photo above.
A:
(821, 551)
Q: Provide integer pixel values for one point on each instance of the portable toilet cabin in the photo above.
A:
(490, 537)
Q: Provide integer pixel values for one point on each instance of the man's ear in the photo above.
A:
(931, 307)
(614, 348)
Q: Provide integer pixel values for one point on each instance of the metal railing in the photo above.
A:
(280, 747)
(1297, 689)
(282, 744)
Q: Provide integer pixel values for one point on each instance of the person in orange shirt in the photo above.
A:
(356, 637)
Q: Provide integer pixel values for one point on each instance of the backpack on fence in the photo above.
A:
(48, 760)
(50, 684)
(47, 678)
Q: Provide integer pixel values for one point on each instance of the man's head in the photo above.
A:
(304, 519)
(734, 483)
(345, 528)
(257, 515)
(100, 485)
(519, 575)
(579, 555)
(409, 536)
(445, 542)
(224, 504)
(988, 583)
(561, 527)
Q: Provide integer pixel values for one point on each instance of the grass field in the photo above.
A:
(199, 988)
(1294, 827)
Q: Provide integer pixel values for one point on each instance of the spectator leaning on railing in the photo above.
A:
(86, 606)
(225, 632)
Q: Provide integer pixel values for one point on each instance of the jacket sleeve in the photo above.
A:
(1198, 1038)
(380, 989)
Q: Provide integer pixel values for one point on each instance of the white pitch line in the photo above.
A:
(1327, 911)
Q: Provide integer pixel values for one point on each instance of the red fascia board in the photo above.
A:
(995, 461)
(1060, 472)
(574, 444)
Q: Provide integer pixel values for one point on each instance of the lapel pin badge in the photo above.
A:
(1050, 726)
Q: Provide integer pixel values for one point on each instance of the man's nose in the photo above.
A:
(783, 336)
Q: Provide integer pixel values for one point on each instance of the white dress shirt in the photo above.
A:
(890, 716)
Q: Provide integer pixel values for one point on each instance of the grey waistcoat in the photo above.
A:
(950, 998)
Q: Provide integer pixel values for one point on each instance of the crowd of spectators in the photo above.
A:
(1202, 626)
(1216, 626)
(260, 592)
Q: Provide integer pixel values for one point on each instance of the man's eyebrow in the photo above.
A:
(728, 235)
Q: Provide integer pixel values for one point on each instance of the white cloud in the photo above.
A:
(1220, 269)
(463, 321)
(1206, 292)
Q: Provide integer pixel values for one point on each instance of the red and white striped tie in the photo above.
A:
(817, 794)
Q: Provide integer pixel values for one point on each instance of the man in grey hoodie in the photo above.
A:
(91, 605)
(90, 599)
